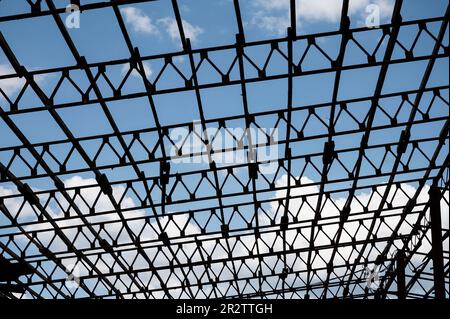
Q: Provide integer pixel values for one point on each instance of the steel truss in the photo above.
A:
(226, 231)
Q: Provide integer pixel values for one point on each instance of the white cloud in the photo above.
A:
(325, 10)
(13, 204)
(143, 24)
(273, 15)
(102, 203)
(148, 71)
(10, 85)
(179, 59)
(190, 31)
(20, 209)
(270, 23)
(371, 200)
(171, 27)
(139, 20)
(272, 4)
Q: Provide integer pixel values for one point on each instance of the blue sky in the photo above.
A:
(38, 45)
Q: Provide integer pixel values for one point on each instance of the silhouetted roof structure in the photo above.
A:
(359, 190)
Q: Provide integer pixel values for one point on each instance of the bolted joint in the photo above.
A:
(224, 229)
(284, 222)
(104, 184)
(106, 246)
(164, 238)
(328, 152)
(28, 194)
(253, 170)
(403, 143)
(164, 171)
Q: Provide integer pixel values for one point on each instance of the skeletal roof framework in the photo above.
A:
(232, 231)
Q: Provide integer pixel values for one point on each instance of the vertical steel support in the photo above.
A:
(401, 286)
(436, 241)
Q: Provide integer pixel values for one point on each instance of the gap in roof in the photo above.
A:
(419, 9)
(132, 114)
(38, 127)
(85, 120)
(275, 96)
(99, 37)
(151, 27)
(222, 101)
(208, 23)
(11, 7)
(265, 19)
(180, 107)
(37, 43)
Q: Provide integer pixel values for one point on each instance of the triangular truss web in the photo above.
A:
(353, 205)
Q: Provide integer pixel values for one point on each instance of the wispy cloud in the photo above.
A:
(330, 10)
(135, 73)
(271, 23)
(273, 15)
(303, 199)
(140, 22)
(191, 31)
(10, 85)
